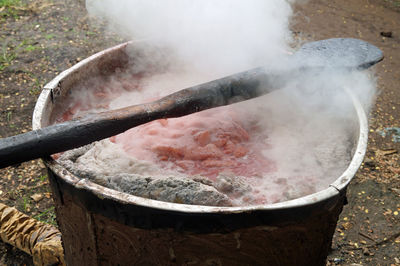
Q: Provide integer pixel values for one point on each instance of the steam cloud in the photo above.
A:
(222, 36)
(214, 36)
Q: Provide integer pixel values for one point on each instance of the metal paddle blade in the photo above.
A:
(338, 52)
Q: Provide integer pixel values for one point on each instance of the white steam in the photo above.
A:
(222, 36)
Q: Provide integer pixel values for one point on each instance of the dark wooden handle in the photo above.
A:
(75, 133)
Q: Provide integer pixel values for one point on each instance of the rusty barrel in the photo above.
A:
(101, 226)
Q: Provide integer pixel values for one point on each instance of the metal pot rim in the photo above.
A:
(334, 189)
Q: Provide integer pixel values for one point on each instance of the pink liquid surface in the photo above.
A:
(206, 143)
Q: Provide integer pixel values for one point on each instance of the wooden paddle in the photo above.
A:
(339, 53)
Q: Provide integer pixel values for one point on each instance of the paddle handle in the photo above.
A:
(76, 133)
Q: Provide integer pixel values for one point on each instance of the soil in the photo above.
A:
(39, 39)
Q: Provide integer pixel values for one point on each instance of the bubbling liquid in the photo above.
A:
(206, 143)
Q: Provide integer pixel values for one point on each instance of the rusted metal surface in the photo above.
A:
(100, 231)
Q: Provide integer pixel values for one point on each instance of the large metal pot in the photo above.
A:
(103, 226)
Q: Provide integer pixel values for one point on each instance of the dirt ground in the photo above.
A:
(39, 39)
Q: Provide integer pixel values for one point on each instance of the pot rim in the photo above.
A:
(334, 189)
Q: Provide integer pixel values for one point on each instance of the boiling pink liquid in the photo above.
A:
(205, 143)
